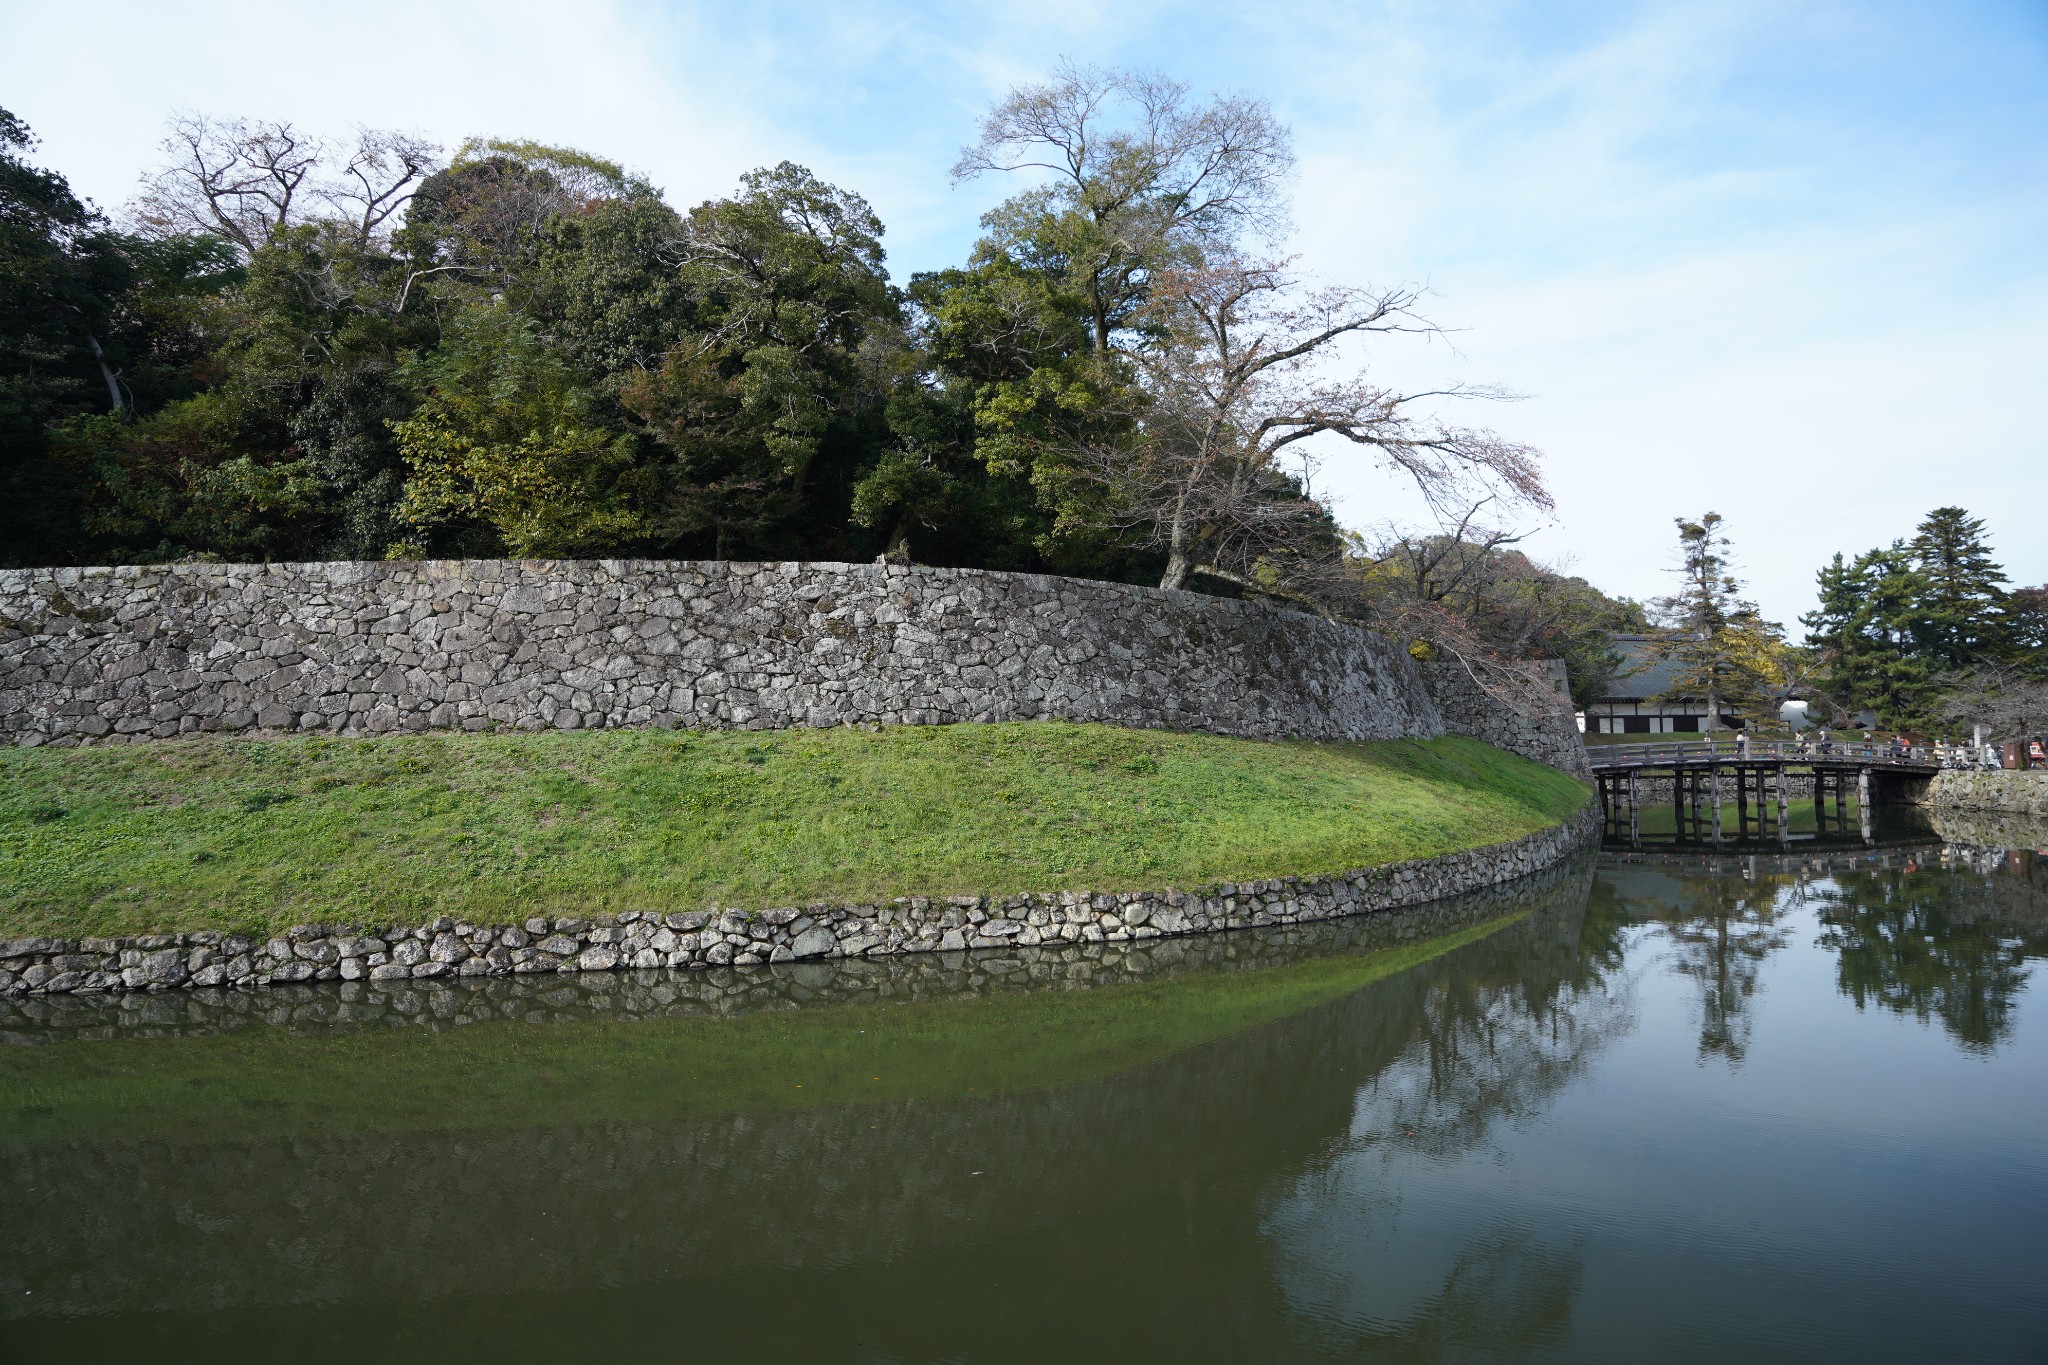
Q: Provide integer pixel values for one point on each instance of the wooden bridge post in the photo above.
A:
(1635, 823)
(1742, 801)
(1714, 795)
(1784, 815)
(1863, 803)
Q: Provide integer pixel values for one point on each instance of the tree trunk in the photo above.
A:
(898, 550)
(1178, 567)
(118, 403)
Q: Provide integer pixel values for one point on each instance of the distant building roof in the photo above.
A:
(1642, 674)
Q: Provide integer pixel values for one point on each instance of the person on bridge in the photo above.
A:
(1827, 746)
(1741, 744)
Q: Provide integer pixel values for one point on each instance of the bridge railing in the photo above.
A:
(1704, 752)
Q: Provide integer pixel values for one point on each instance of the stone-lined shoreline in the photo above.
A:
(720, 938)
(448, 1002)
(2007, 791)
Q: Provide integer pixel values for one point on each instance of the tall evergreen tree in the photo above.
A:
(1721, 650)
(1865, 632)
(1957, 614)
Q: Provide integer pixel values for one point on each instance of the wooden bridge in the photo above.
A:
(1703, 776)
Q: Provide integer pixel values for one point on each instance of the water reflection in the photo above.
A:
(256, 1200)
(1333, 1143)
(1492, 1040)
(1943, 943)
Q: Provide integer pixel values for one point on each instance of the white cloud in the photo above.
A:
(520, 69)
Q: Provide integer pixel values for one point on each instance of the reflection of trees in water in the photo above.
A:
(1939, 933)
(1504, 1295)
(1496, 1040)
(1935, 946)
(1735, 926)
(1489, 1036)
(1498, 1294)
(1168, 1162)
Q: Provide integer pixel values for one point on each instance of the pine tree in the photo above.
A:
(1865, 631)
(2023, 630)
(1721, 649)
(1957, 616)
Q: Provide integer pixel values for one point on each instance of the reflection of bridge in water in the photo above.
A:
(1704, 777)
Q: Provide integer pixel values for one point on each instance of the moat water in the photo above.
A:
(1695, 1107)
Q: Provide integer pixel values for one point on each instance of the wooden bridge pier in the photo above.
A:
(1761, 775)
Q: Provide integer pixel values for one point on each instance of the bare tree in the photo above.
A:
(2009, 701)
(1228, 392)
(252, 182)
(1465, 594)
(380, 175)
(1140, 177)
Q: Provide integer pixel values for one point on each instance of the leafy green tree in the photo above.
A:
(785, 374)
(607, 286)
(303, 349)
(482, 217)
(1007, 346)
(1721, 650)
(92, 321)
(504, 455)
(50, 323)
(1138, 178)
(2023, 629)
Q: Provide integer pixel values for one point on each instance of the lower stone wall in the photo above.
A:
(2013, 791)
(317, 1007)
(700, 939)
(1656, 791)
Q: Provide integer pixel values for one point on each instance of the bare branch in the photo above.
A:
(253, 182)
(379, 177)
(240, 180)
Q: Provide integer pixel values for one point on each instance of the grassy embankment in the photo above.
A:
(257, 835)
(264, 1082)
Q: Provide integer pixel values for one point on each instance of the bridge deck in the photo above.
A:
(1612, 757)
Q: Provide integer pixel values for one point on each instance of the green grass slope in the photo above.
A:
(256, 835)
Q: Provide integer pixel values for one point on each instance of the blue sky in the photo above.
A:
(1785, 260)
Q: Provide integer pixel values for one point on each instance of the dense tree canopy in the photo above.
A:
(311, 350)
(1924, 630)
(316, 349)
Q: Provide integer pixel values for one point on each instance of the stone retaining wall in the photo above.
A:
(1545, 731)
(369, 648)
(699, 939)
(121, 654)
(2015, 791)
(452, 1001)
